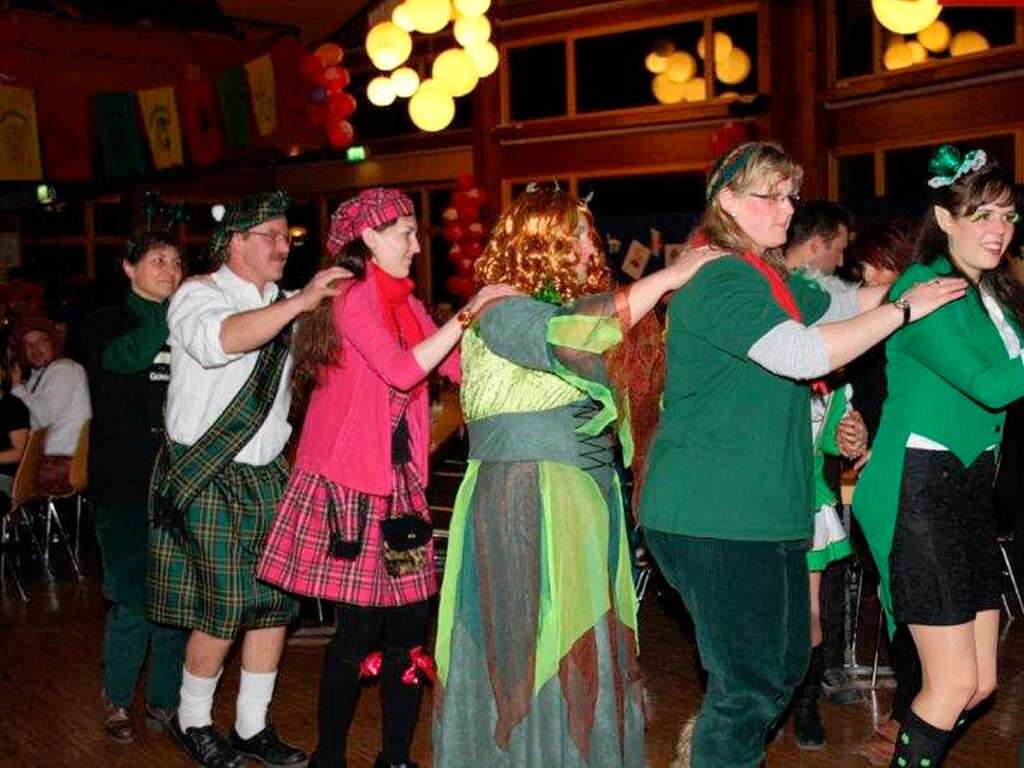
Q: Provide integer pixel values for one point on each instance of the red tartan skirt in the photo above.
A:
(295, 557)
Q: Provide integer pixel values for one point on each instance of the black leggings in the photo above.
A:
(359, 630)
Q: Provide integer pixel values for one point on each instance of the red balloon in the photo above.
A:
(450, 214)
(475, 230)
(454, 232)
(464, 181)
(467, 213)
(472, 249)
(465, 267)
(337, 79)
(341, 106)
(455, 253)
(476, 195)
(459, 286)
(330, 54)
(340, 133)
(312, 68)
(316, 116)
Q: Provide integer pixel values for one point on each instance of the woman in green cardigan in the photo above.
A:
(727, 501)
(927, 490)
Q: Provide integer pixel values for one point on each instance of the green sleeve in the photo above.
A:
(812, 299)
(942, 343)
(134, 351)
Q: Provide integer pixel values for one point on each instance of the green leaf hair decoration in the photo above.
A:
(946, 165)
(549, 295)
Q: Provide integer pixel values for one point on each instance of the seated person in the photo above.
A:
(14, 429)
(57, 396)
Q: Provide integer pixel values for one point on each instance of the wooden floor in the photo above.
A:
(50, 693)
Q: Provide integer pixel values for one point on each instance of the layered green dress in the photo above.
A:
(536, 640)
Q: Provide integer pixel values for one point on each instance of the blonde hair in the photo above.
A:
(746, 166)
(534, 244)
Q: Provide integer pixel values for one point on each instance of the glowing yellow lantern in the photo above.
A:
(431, 108)
(405, 81)
(723, 46)
(680, 67)
(455, 71)
(666, 90)
(656, 63)
(917, 51)
(935, 37)
(429, 16)
(380, 92)
(472, 7)
(472, 30)
(402, 18)
(906, 17)
(967, 42)
(898, 56)
(388, 45)
(695, 90)
(735, 69)
(485, 58)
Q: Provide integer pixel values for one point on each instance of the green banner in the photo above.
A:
(233, 91)
(120, 140)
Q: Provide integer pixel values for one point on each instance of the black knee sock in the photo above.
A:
(907, 669)
(919, 744)
(400, 704)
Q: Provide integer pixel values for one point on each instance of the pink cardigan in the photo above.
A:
(346, 435)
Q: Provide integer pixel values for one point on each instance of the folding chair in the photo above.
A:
(23, 492)
(78, 477)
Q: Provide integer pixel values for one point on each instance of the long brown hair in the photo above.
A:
(990, 184)
(316, 339)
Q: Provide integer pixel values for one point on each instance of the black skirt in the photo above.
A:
(945, 563)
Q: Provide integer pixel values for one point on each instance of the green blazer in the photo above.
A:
(949, 379)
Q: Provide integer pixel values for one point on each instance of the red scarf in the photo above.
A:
(399, 319)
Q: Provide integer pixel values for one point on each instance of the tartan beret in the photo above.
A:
(244, 214)
(370, 209)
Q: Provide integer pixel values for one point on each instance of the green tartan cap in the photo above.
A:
(244, 214)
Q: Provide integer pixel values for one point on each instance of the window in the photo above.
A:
(854, 27)
(736, 54)
(856, 177)
(537, 81)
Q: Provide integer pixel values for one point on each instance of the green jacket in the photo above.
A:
(950, 380)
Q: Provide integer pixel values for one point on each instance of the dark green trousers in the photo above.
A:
(121, 532)
(751, 610)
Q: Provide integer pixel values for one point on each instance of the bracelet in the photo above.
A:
(465, 317)
(904, 305)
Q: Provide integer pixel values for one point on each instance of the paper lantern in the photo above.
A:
(484, 57)
(381, 92)
(906, 17)
(388, 45)
(898, 56)
(656, 63)
(402, 18)
(405, 81)
(472, 7)
(695, 90)
(917, 51)
(666, 90)
(735, 69)
(723, 45)
(680, 67)
(429, 16)
(454, 70)
(967, 42)
(472, 30)
(432, 107)
(935, 37)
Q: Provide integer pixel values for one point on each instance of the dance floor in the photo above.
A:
(50, 712)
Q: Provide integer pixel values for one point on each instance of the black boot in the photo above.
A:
(919, 744)
(810, 734)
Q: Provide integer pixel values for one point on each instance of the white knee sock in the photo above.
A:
(196, 705)
(255, 691)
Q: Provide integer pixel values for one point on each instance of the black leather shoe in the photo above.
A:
(380, 762)
(207, 747)
(158, 718)
(267, 747)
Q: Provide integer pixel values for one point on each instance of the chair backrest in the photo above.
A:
(79, 473)
(25, 488)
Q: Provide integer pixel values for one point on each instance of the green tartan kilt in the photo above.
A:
(207, 581)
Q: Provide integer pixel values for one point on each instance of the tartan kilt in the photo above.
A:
(208, 580)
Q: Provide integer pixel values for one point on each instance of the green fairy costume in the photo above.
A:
(536, 641)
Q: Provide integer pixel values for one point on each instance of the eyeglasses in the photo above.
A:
(274, 237)
(777, 199)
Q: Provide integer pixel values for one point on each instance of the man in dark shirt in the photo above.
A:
(128, 362)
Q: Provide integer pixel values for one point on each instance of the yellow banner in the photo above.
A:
(264, 99)
(160, 116)
(19, 135)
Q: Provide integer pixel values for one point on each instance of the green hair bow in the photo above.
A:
(948, 166)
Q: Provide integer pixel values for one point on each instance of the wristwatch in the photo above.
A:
(904, 305)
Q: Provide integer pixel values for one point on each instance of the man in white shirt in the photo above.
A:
(57, 396)
(216, 484)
